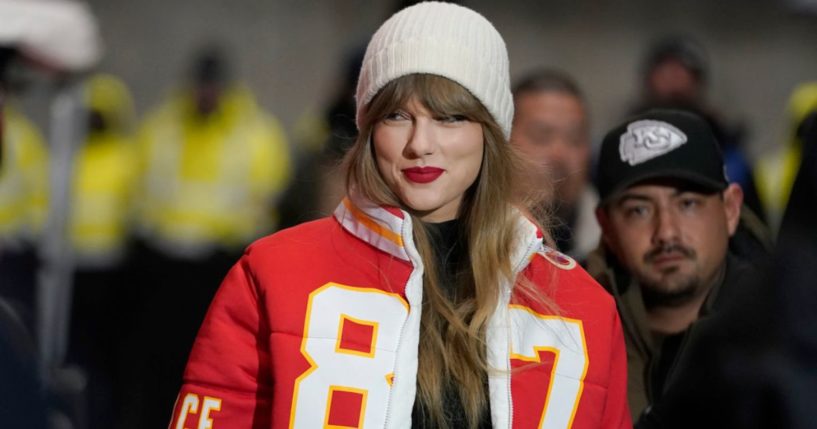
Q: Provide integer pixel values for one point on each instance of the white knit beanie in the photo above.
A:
(441, 39)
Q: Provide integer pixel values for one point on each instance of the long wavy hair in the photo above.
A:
(452, 351)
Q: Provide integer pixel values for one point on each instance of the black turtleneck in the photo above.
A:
(450, 251)
(451, 254)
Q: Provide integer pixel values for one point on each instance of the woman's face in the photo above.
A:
(428, 161)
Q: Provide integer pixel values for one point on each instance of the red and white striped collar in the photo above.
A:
(389, 229)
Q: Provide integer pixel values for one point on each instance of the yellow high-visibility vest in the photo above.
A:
(775, 172)
(210, 183)
(23, 181)
(104, 178)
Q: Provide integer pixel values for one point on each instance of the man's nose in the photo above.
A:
(666, 226)
(556, 159)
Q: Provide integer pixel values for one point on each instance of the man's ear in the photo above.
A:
(732, 202)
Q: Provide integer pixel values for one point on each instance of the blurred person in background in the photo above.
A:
(104, 177)
(59, 37)
(340, 115)
(23, 197)
(213, 165)
(100, 205)
(22, 397)
(668, 216)
(675, 74)
(775, 173)
(315, 191)
(551, 129)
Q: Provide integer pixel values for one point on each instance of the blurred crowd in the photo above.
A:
(158, 207)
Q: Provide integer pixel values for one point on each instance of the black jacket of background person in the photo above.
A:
(22, 400)
(754, 364)
(653, 364)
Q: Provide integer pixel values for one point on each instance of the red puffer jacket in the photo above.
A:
(318, 326)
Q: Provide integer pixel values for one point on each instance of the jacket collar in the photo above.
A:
(389, 229)
(382, 227)
(603, 268)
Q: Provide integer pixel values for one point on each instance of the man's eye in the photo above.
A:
(689, 203)
(541, 135)
(636, 211)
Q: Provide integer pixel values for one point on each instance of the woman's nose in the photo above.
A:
(421, 140)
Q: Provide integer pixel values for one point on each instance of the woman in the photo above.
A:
(320, 325)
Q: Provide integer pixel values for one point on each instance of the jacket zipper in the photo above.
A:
(406, 324)
(517, 269)
(394, 373)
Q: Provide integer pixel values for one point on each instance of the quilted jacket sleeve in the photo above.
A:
(227, 381)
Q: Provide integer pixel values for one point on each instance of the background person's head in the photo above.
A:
(667, 210)
(209, 78)
(675, 72)
(551, 129)
(109, 104)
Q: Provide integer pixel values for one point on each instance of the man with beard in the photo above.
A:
(667, 214)
(551, 130)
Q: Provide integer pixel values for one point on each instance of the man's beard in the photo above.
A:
(673, 289)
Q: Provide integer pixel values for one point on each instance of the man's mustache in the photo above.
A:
(668, 248)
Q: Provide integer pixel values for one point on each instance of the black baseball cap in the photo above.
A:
(658, 144)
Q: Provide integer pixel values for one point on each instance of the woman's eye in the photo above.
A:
(396, 116)
(452, 118)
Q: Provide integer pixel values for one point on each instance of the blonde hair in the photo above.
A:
(452, 329)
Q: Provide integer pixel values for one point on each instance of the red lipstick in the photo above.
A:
(422, 174)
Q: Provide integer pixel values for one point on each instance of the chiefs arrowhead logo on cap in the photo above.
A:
(647, 139)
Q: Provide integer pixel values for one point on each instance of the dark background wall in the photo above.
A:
(291, 52)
